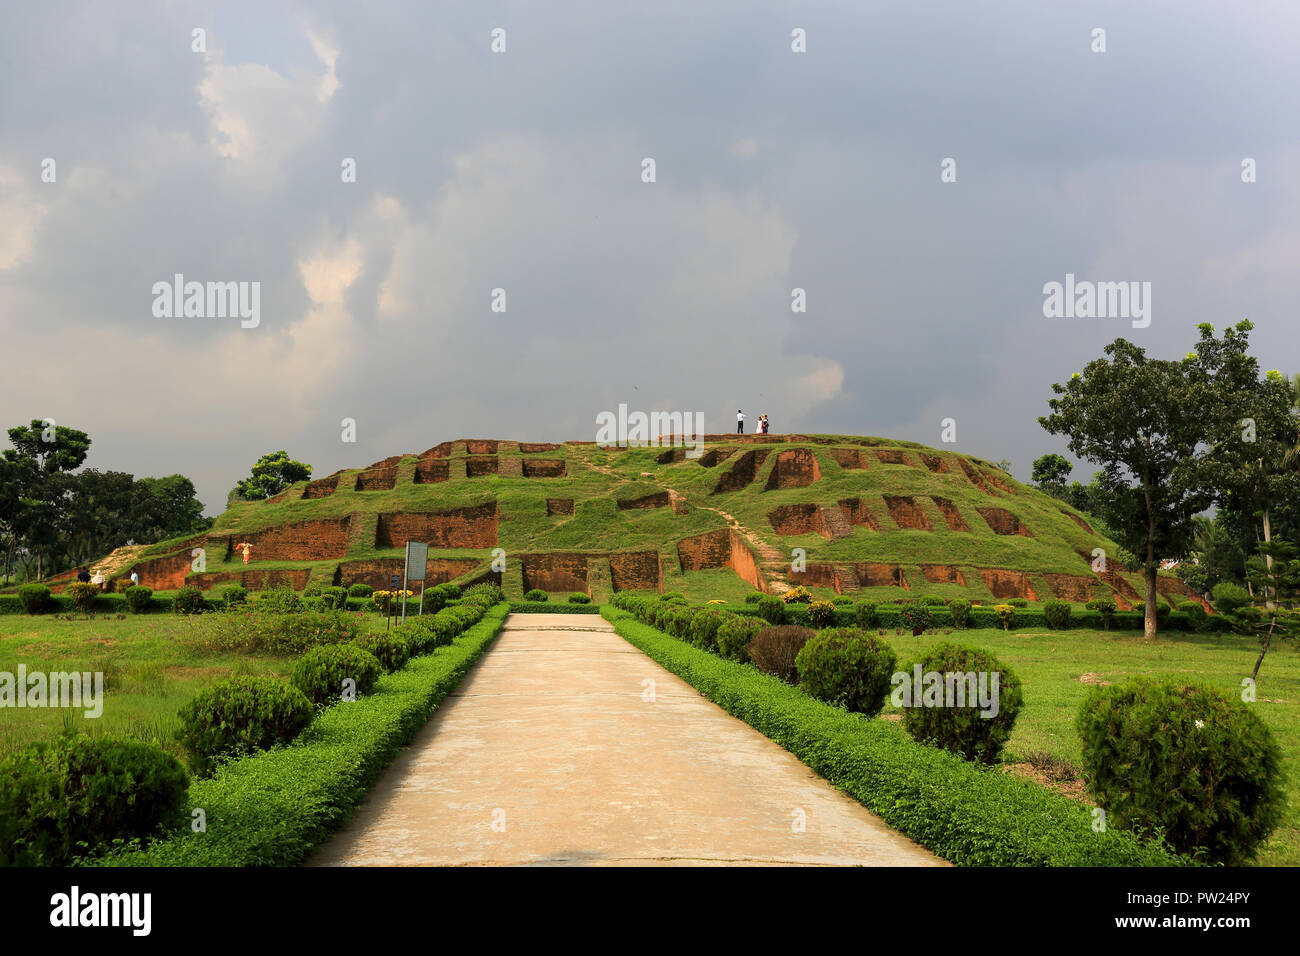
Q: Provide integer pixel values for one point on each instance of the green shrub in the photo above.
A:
(954, 721)
(1106, 608)
(704, 627)
(234, 595)
(753, 597)
(867, 614)
(247, 629)
(321, 673)
(392, 651)
(1006, 615)
(771, 609)
(536, 594)
(1057, 614)
(672, 595)
(137, 598)
(915, 617)
(1018, 602)
(276, 601)
(579, 598)
(35, 597)
(74, 796)
(312, 591)
(1185, 760)
(188, 600)
(1230, 600)
(335, 598)
(847, 667)
(360, 590)
(933, 600)
(734, 636)
(488, 590)
(774, 650)
(83, 595)
(240, 715)
(1197, 619)
(842, 601)
(821, 613)
(960, 611)
(417, 633)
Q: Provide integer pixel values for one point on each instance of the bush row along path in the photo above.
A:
(552, 752)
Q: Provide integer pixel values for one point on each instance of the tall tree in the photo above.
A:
(1139, 419)
(272, 473)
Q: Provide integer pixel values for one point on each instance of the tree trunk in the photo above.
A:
(1269, 597)
(1149, 612)
(1264, 642)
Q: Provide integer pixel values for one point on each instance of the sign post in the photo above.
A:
(388, 619)
(417, 557)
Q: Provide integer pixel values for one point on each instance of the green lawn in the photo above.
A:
(1050, 663)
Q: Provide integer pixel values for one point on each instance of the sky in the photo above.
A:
(523, 170)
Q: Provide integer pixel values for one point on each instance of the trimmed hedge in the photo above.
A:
(274, 808)
(539, 607)
(965, 814)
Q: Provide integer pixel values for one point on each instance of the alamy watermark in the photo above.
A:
(947, 689)
(670, 429)
(208, 300)
(1098, 300)
(57, 689)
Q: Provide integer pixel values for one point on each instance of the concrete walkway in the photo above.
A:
(552, 751)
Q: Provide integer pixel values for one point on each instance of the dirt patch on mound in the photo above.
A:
(430, 472)
(544, 468)
(321, 488)
(796, 468)
(1079, 521)
(1175, 590)
(559, 506)
(849, 458)
(670, 457)
(943, 574)
(723, 548)
(973, 475)
(950, 514)
(1075, 588)
(1000, 482)
(906, 514)
(659, 499)
(935, 463)
(529, 448)
(478, 467)
(1004, 583)
(711, 459)
(636, 571)
(378, 479)
(474, 527)
(856, 510)
(1004, 522)
(892, 456)
(742, 472)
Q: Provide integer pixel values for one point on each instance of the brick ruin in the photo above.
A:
(892, 456)
(796, 468)
(950, 514)
(851, 458)
(321, 488)
(478, 467)
(857, 512)
(943, 574)
(473, 527)
(1076, 588)
(480, 446)
(903, 509)
(742, 472)
(1004, 522)
(715, 456)
(1000, 482)
(935, 463)
(544, 468)
(530, 448)
(254, 580)
(442, 450)
(636, 571)
(872, 574)
(377, 479)
(672, 456)
(163, 574)
(321, 539)
(559, 506)
(799, 519)
(720, 549)
(659, 499)
(377, 573)
(973, 475)
(554, 572)
(430, 471)
(1004, 583)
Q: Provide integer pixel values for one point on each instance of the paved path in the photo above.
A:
(548, 754)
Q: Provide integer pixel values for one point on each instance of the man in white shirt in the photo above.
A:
(740, 422)
(135, 579)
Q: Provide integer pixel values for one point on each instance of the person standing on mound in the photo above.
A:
(740, 422)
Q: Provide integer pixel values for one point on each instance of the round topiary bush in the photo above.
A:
(1018, 602)
(933, 600)
(774, 649)
(847, 667)
(579, 598)
(83, 595)
(821, 613)
(797, 595)
(323, 673)
(137, 598)
(360, 590)
(967, 702)
(704, 627)
(1197, 619)
(1057, 614)
(391, 650)
(1184, 759)
(241, 715)
(536, 594)
(734, 635)
(1105, 608)
(753, 597)
(234, 595)
(70, 798)
(915, 617)
(960, 611)
(1006, 615)
(491, 591)
(866, 614)
(771, 609)
(672, 596)
(336, 598)
(188, 600)
(34, 598)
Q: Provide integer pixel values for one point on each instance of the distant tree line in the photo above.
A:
(54, 517)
